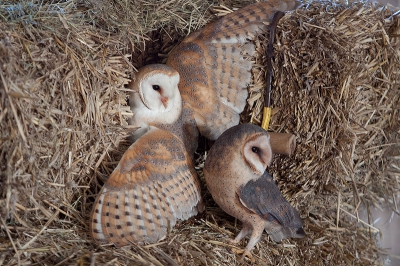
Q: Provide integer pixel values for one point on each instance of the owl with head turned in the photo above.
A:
(236, 176)
(201, 89)
(209, 70)
(155, 183)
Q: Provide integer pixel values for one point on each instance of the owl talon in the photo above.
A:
(237, 180)
(233, 241)
(245, 252)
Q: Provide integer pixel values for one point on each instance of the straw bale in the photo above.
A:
(63, 110)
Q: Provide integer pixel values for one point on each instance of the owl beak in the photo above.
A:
(164, 101)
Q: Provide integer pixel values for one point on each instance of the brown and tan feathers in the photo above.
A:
(238, 182)
(185, 129)
(262, 197)
(214, 68)
(153, 185)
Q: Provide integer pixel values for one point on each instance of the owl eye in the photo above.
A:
(255, 149)
(156, 87)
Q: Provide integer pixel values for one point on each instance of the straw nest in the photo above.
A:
(63, 111)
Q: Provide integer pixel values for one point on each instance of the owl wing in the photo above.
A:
(185, 129)
(262, 196)
(153, 185)
(214, 67)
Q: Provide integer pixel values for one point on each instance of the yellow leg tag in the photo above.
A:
(266, 117)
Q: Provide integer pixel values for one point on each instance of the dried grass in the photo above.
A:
(63, 110)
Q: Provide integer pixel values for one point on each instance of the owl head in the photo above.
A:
(247, 148)
(155, 96)
(257, 152)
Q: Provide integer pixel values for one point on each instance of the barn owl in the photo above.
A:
(154, 184)
(211, 69)
(154, 93)
(203, 86)
(236, 177)
(155, 101)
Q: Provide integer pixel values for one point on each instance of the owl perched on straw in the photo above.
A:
(203, 86)
(236, 177)
(155, 183)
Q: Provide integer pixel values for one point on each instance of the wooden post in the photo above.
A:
(282, 143)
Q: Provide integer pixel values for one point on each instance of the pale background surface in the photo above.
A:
(392, 2)
(388, 222)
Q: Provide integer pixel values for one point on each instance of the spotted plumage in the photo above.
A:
(235, 172)
(153, 186)
(214, 66)
(202, 87)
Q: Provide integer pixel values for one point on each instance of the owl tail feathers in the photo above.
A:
(188, 213)
(200, 206)
(287, 5)
(286, 232)
(299, 233)
(245, 23)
